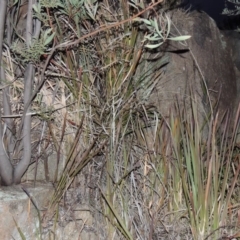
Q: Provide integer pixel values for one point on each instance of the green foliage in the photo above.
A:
(80, 10)
(36, 49)
(159, 35)
(50, 4)
(232, 12)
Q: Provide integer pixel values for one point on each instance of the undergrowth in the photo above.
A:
(145, 176)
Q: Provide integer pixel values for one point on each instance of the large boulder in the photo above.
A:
(204, 60)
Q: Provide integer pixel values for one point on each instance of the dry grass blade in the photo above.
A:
(61, 186)
(19, 230)
(121, 226)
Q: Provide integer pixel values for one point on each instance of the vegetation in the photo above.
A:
(233, 8)
(69, 84)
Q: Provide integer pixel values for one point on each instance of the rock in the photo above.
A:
(232, 39)
(203, 59)
(46, 169)
(75, 231)
(18, 212)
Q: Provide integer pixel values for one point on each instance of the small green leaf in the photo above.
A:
(152, 22)
(180, 38)
(153, 38)
(59, 4)
(95, 9)
(16, 1)
(142, 20)
(133, 5)
(168, 25)
(49, 39)
(155, 24)
(89, 11)
(46, 33)
(36, 7)
(152, 46)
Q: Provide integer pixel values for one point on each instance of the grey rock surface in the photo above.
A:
(204, 60)
(18, 214)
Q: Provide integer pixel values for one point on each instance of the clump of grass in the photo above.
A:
(205, 170)
(104, 90)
